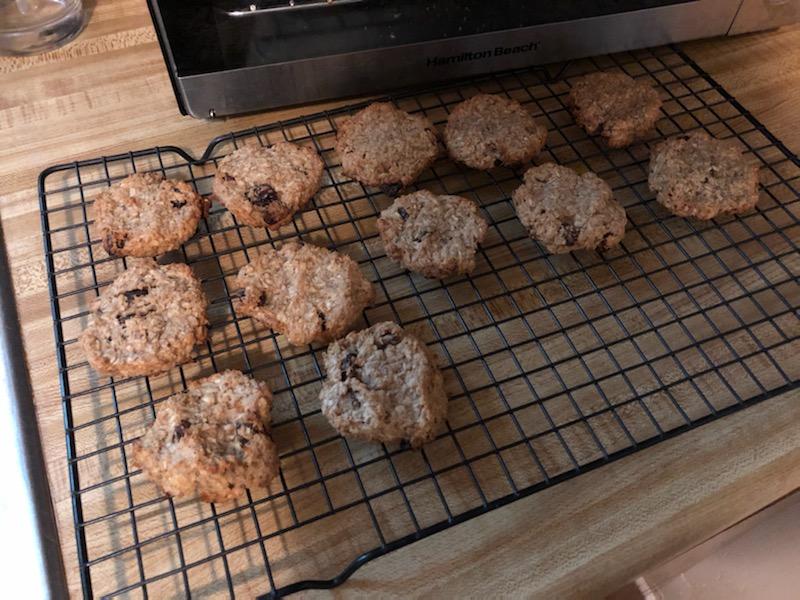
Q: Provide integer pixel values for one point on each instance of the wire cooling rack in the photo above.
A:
(554, 365)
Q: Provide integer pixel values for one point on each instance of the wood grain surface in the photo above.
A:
(108, 92)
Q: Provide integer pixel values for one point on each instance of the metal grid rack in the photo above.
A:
(554, 365)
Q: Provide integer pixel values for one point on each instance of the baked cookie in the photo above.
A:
(147, 215)
(696, 175)
(212, 440)
(382, 385)
(433, 235)
(147, 321)
(386, 147)
(306, 292)
(487, 131)
(615, 106)
(266, 186)
(566, 211)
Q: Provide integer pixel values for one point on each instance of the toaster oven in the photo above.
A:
(233, 56)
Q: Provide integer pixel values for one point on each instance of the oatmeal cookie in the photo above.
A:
(147, 321)
(696, 175)
(382, 385)
(487, 131)
(433, 235)
(566, 211)
(211, 440)
(386, 147)
(615, 106)
(147, 215)
(306, 292)
(266, 186)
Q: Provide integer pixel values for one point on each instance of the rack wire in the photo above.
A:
(554, 365)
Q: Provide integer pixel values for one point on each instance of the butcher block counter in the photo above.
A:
(108, 92)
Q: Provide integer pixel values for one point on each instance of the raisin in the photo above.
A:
(388, 339)
(266, 198)
(683, 137)
(227, 177)
(178, 204)
(322, 320)
(712, 171)
(403, 213)
(263, 299)
(392, 189)
(262, 195)
(571, 233)
(135, 293)
(113, 242)
(179, 431)
(139, 314)
(347, 366)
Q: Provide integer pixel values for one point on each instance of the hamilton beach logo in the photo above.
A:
(438, 61)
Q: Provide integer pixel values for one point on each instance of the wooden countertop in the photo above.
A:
(109, 92)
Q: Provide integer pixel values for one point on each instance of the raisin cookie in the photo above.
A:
(566, 211)
(615, 106)
(386, 147)
(212, 440)
(488, 131)
(306, 292)
(147, 215)
(382, 385)
(696, 175)
(433, 235)
(147, 321)
(266, 186)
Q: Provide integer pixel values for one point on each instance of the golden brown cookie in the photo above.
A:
(211, 440)
(147, 321)
(566, 211)
(487, 131)
(382, 385)
(386, 147)
(147, 215)
(615, 106)
(433, 235)
(266, 186)
(696, 175)
(306, 292)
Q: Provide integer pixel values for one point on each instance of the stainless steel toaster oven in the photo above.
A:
(233, 56)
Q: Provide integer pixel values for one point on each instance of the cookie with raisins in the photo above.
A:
(382, 385)
(266, 186)
(212, 440)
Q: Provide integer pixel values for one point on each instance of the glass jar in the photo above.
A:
(32, 26)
